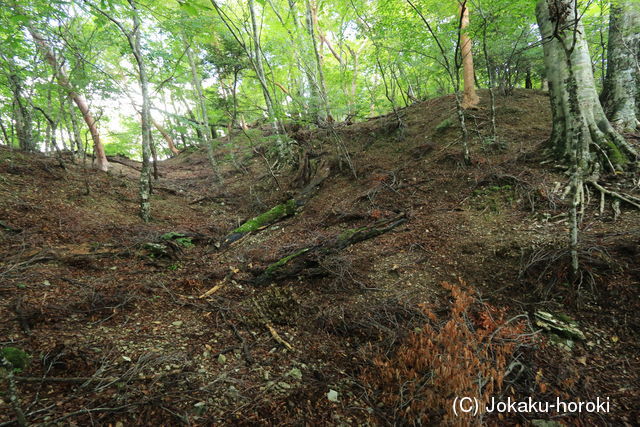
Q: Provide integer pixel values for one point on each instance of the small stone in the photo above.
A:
(177, 323)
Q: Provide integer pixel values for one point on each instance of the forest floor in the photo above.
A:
(121, 333)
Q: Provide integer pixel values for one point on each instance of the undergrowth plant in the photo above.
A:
(466, 356)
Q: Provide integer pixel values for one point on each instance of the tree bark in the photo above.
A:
(203, 122)
(145, 172)
(259, 69)
(569, 70)
(7, 140)
(619, 93)
(166, 136)
(63, 81)
(22, 114)
(76, 131)
(320, 105)
(470, 98)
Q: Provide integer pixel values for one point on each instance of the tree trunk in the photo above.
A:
(22, 114)
(145, 172)
(76, 131)
(63, 81)
(203, 122)
(259, 69)
(7, 140)
(619, 93)
(582, 122)
(320, 105)
(166, 136)
(528, 83)
(470, 99)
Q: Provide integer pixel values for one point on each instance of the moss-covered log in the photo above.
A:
(281, 211)
(265, 219)
(309, 257)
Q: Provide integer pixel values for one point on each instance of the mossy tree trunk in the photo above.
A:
(265, 219)
(579, 124)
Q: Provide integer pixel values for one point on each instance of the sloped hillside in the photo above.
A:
(327, 313)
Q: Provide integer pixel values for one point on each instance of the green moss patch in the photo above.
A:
(616, 155)
(18, 358)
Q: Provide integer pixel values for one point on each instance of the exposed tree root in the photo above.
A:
(627, 198)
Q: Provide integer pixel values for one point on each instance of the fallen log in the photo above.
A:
(309, 257)
(281, 211)
(263, 220)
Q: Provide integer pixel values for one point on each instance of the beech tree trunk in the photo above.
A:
(470, 98)
(620, 88)
(579, 125)
(63, 81)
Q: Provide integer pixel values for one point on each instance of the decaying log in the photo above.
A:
(281, 211)
(303, 258)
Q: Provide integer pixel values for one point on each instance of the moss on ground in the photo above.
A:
(19, 359)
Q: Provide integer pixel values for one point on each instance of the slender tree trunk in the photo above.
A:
(22, 114)
(470, 99)
(63, 81)
(145, 171)
(76, 130)
(322, 110)
(588, 122)
(259, 69)
(619, 94)
(166, 136)
(528, 83)
(203, 121)
(5, 136)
